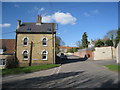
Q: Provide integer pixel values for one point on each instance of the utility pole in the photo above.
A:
(31, 47)
(53, 44)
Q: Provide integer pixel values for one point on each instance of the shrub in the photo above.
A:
(109, 42)
(12, 62)
(99, 43)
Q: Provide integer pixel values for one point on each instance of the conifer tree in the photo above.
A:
(84, 40)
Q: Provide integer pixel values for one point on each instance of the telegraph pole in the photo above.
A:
(53, 44)
(31, 47)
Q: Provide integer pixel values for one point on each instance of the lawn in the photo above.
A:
(28, 69)
(113, 67)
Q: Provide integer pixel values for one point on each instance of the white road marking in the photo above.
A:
(54, 71)
(58, 69)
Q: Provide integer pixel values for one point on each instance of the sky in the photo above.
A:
(73, 18)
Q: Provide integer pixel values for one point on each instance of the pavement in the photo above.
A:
(78, 73)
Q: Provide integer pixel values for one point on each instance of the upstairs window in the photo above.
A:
(25, 55)
(44, 42)
(25, 41)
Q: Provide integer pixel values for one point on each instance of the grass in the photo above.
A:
(113, 67)
(28, 69)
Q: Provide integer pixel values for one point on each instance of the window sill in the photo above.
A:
(25, 59)
(44, 59)
(25, 45)
(44, 45)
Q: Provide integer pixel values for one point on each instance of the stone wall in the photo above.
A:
(104, 53)
(118, 53)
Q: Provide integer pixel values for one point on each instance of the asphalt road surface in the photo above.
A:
(78, 73)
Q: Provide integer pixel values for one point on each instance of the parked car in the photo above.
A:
(63, 57)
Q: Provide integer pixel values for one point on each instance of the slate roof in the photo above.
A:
(33, 28)
(9, 44)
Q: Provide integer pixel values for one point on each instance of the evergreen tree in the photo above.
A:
(84, 40)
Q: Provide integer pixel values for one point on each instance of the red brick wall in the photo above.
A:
(89, 54)
(82, 54)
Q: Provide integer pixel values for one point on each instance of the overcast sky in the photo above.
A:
(73, 19)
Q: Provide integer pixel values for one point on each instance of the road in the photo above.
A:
(78, 74)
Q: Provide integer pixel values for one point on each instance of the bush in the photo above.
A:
(72, 50)
(109, 42)
(12, 62)
(99, 43)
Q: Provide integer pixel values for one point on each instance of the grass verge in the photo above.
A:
(28, 69)
(113, 67)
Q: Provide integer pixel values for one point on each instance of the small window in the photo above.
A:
(44, 42)
(44, 55)
(25, 42)
(49, 29)
(2, 62)
(25, 55)
(28, 29)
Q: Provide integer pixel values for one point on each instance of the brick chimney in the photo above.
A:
(39, 20)
(19, 23)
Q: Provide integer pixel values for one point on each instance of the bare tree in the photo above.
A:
(78, 43)
(111, 34)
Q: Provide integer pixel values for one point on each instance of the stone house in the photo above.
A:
(35, 42)
(7, 48)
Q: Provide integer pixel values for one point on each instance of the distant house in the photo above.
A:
(91, 44)
(35, 42)
(7, 48)
(64, 49)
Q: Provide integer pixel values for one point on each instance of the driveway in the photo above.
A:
(78, 74)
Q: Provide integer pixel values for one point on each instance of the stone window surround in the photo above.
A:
(46, 41)
(46, 54)
(23, 41)
(23, 56)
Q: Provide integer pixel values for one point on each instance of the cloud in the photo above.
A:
(60, 17)
(5, 25)
(37, 10)
(16, 5)
(64, 18)
(47, 18)
(96, 11)
(86, 14)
